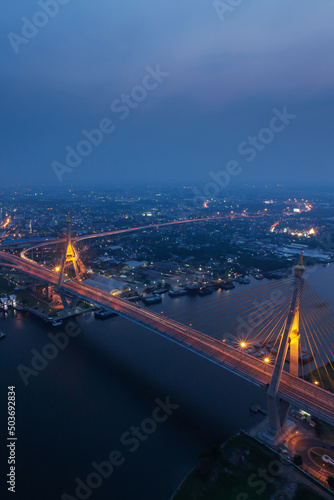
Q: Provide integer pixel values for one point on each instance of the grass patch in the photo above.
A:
(304, 493)
(237, 473)
(234, 475)
(4, 288)
(29, 298)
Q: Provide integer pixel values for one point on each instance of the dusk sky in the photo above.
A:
(221, 76)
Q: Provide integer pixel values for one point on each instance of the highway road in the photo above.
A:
(77, 239)
(296, 391)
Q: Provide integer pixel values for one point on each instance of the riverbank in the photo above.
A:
(242, 468)
(37, 304)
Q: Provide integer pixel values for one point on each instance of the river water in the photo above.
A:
(75, 410)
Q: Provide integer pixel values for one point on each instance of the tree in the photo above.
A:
(319, 428)
(330, 481)
(297, 460)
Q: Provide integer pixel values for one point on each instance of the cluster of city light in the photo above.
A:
(300, 234)
(272, 229)
(6, 223)
(304, 234)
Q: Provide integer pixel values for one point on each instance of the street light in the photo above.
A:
(267, 362)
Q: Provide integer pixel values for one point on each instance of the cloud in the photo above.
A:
(264, 54)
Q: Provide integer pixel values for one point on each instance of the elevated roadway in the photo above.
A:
(294, 390)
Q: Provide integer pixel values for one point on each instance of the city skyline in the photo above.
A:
(142, 288)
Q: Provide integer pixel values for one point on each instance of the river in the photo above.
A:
(109, 377)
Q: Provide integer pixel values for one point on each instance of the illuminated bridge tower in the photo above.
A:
(290, 338)
(70, 256)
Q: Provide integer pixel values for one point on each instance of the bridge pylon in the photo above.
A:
(70, 256)
(278, 412)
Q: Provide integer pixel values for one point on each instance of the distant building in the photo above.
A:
(288, 252)
(109, 285)
(136, 263)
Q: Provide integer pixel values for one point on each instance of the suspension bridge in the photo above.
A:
(269, 335)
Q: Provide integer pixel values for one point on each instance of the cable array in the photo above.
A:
(254, 320)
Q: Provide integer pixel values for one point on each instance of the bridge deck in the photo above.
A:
(294, 390)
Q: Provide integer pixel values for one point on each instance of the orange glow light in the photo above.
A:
(6, 223)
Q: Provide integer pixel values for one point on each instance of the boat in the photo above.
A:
(161, 291)
(204, 291)
(57, 322)
(193, 288)
(133, 299)
(2, 335)
(104, 314)
(177, 293)
(227, 285)
(257, 408)
(277, 275)
(305, 357)
(152, 299)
